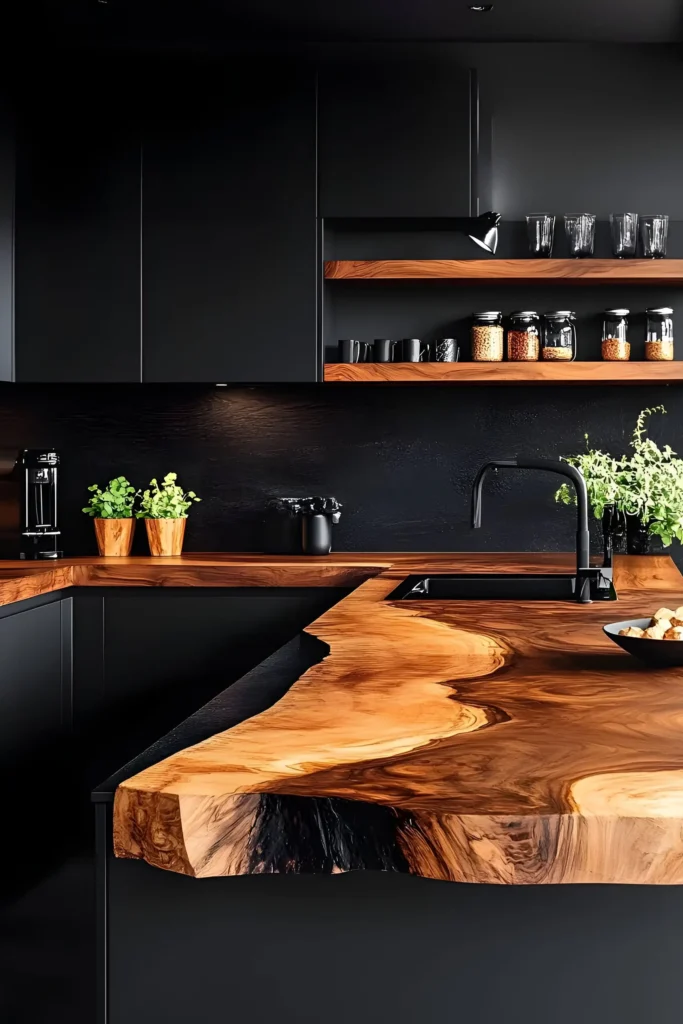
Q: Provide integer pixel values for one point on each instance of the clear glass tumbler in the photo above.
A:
(654, 229)
(580, 230)
(624, 228)
(541, 232)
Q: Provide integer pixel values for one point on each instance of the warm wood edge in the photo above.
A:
(232, 835)
(636, 271)
(35, 584)
(139, 819)
(580, 372)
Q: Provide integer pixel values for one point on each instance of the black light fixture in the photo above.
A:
(482, 229)
(481, 8)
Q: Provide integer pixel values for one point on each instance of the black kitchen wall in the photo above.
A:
(400, 458)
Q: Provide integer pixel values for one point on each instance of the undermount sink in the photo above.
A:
(500, 587)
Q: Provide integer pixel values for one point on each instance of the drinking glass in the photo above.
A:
(653, 233)
(624, 228)
(541, 231)
(580, 230)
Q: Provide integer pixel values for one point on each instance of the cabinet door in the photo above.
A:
(229, 224)
(6, 234)
(40, 795)
(146, 659)
(394, 139)
(77, 247)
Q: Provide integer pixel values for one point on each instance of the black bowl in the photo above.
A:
(654, 652)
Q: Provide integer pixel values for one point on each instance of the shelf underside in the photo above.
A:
(589, 271)
(508, 373)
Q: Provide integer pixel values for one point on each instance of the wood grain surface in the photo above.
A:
(589, 270)
(497, 742)
(114, 536)
(579, 372)
(165, 536)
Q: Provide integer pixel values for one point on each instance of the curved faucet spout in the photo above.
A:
(551, 466)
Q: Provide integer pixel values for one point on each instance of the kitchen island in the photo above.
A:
(488, 742)
(497, 742)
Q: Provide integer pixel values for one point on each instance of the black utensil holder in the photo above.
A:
(316, 534)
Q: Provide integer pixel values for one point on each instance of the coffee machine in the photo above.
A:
(29, 524)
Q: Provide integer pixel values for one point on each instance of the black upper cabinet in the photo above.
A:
(229, 223)
(394, 139)
(77, 236)
(6, 233)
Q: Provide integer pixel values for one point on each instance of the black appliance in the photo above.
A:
(29, 523)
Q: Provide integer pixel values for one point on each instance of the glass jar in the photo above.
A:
(615, 343)
(659, 339)
(559, 335)
(486, 335)
(524, 337)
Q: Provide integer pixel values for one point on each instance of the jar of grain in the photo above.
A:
(659, 339)
(615, 343)
(559, 335)
(486, 336)
(524, 337)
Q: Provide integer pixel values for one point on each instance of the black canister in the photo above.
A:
(316, 534)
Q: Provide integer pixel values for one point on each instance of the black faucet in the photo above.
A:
(590, 582)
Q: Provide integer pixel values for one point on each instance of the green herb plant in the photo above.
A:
(116, 501)
(647, 484)
(166, 500)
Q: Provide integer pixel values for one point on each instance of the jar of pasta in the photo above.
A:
(659, 339)
(486, 336)
(559, 335)
(524, 337)
(615, 343)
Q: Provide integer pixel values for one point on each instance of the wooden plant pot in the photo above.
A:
(165, 536)
(114, 536)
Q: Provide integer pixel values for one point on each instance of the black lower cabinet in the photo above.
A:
(144, 659)
(35, 751)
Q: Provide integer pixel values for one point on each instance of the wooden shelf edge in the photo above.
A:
(507, 373)
(589, 271)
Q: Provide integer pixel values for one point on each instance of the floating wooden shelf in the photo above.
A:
(589, 271)
(508, 373)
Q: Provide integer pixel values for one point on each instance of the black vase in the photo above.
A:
(316, 534)
(613, 532)
(639, 540)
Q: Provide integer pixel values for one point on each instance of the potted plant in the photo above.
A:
(112, 512)
(641, 492)
(164, 508)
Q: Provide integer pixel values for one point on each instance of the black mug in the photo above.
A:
(383, 350)
(446, 350)
(351, 351)
(412, 350)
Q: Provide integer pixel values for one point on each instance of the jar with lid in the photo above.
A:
(524, 336)
(559, 335)
(486, 335)
(615, 343)
(659, 339)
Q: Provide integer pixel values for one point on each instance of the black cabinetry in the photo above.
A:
(145, 659)
(395, 137)
(77, 233)
(229, 223)
(35, 724)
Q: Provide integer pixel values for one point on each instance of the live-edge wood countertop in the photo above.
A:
(499, 742)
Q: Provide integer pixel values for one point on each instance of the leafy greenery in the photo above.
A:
(647, 484)
(166, 500)
(116, 501)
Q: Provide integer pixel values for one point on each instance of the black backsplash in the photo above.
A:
(400, 458)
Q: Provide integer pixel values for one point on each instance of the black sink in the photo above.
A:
(499, 587)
